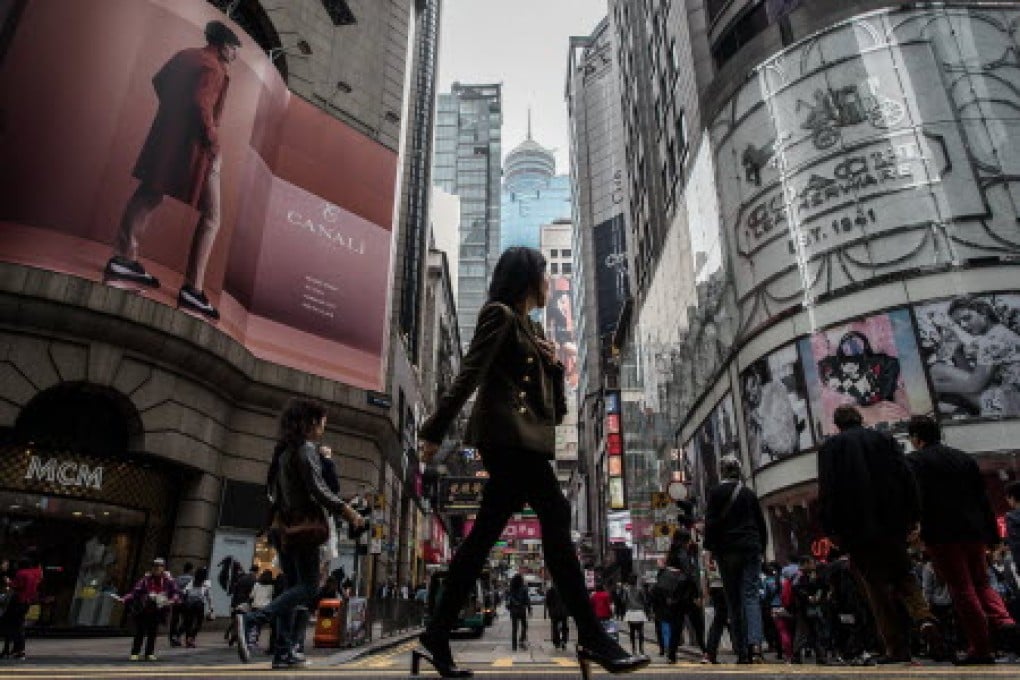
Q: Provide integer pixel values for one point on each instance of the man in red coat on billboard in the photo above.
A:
(181, 158)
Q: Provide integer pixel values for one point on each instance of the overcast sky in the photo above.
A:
(523, 44)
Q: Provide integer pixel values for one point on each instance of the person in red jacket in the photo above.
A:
(602, 603)
(24, 593)
(181, 158)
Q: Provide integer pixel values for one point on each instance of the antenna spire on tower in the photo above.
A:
(529, 123)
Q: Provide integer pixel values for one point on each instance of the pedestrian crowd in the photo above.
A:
(912, 567)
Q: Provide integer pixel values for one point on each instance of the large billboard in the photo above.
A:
(158, 150)
(560, 327)
(611, 281)
(872, 364)
(971, 346)
(775, 399)
(715, 437)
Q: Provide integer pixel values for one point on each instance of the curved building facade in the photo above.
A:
(852, 213)
(868, 205)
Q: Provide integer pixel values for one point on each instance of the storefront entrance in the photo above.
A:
(88, 550)
(75, 491)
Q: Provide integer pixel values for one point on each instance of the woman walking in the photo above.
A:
(195, 604)
(518, 603)
(521, 399)
(735, 536)
(298, 494)
(634, 614)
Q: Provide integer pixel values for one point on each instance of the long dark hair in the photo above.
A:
(518, 274)
(201, 576)
(298, 419)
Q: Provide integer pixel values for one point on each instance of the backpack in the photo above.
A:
(194, 597)
(672, 586)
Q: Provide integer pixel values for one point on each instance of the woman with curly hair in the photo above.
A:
(299, 495)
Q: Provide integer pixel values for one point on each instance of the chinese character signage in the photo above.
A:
(614, 453)
(460, 493)
(854, 155)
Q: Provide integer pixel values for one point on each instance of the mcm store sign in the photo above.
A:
(65, 473)
(858, 152)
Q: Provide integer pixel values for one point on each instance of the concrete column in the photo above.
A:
(197, 514)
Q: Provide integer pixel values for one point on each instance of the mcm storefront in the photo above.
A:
(94, 513)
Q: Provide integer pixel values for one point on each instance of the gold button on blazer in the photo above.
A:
(518, 404)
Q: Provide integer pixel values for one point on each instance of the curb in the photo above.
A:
(372, 648)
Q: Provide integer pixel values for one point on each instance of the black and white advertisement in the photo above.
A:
(610, 272)
(971, 349)
(776, 407)
(716, 438)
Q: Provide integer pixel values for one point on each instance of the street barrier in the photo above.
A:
(390, 616)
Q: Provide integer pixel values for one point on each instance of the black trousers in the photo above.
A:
(560, 631)
(518, 629)
(174, 630)
(720, 621)
(146, 626)
(15, 620)
(191, 618)
(686, 610)
(516, 478)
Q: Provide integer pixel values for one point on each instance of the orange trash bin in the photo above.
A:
(329, 624)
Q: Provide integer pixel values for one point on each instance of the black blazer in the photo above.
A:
(866, 491)
(954, 504)
(518, 406)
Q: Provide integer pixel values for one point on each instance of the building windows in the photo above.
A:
(739, 33)
(554, 268)
(567, 268)
(565, 252)
(554, 253)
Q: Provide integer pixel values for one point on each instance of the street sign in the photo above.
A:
(375, 546)
(460, 493)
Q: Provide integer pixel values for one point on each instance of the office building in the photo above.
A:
(467, 163)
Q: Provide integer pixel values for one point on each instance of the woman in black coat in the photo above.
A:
(520, 401)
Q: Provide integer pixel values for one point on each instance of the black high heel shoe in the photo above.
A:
(437, 652)
(613, 662)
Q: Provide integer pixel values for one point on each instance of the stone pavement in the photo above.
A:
(212, 650)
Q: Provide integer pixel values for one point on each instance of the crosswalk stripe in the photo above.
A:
(385, 662)
(503, 662)
(563, 661)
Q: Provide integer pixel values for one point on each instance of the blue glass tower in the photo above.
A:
(533, 194)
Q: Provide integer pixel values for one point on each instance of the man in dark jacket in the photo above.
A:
(957, 523)
(869, 507)
(557, 613)
(735, 535)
